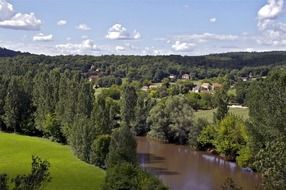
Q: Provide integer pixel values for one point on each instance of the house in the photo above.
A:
(206, 87)
(186, 76)
(172, 77)
(196, 89)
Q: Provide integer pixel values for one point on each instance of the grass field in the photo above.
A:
(208, 114)
(68, 172)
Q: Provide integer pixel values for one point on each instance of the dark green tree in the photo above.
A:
(38, 177)
(129, 176)
(122, 147)
(171, 119)
(221, 100)
(128, 104)
(82, 135)
(100, 150)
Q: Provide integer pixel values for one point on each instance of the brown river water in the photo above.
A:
(181, 168)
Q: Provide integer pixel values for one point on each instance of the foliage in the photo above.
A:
(4, 182)
(143, 107)
(171, 119)
(267, 108)
(122, 147)
(221, 100)
(245, 156)
(81, 137)
(207, 137)
(195, 132)
(100, 150)
(128, 104)
(231, 136)
(108, 81)
(242, 89)
(52, 128)
(128, 176)
(105, 112)
(37, 179)
(230, 185)
(271, 163)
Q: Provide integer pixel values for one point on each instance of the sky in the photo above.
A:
(142, 27)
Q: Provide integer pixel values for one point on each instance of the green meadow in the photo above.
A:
(208, 114)
(67, 172)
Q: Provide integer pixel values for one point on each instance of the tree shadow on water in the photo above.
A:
(147, 158)
(160, 171)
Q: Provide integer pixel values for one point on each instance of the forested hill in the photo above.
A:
(10, 53)
(152, 67)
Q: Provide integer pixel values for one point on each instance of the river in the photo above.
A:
(181, 168)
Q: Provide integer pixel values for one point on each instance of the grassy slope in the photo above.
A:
(68, 173)
(208, 114)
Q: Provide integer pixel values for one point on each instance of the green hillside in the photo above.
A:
(68, 173)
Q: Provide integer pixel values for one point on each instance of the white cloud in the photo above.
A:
(119, 32)
(61, 22)
(83, 27)
(206, 37)
(213, 20)
(17, 21)
(6, 10)
(85, 47)
(183, 46)
(120, 48)
(268, 12)
(42, 37)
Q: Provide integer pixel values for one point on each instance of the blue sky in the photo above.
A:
(186, 27)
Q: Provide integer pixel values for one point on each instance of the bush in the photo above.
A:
(130, 177)
(195, 132)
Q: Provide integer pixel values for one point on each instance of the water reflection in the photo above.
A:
(183, 169)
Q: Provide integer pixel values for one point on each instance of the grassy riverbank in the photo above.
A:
(68, 172)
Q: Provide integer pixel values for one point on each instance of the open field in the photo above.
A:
(68, 172)
(208, 114)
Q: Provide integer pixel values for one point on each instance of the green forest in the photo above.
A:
(97, 105)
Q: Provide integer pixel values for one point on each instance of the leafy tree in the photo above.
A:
(171, 119)
(221, 100)
(129, 176)
(271, 163)
(81, 137)
(37, 179)
(230, 185)
(143, 107)
(207, 137)
(128, 104)
(195, 132)
(52, 128)
(231, 136)
(122, 147)
(266, 101)
(18, 108)
(242, 89)
(105, 112)
(100, 150)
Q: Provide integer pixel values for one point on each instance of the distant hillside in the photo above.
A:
(10, 53)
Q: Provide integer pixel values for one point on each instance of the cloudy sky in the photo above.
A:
(186, 27)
